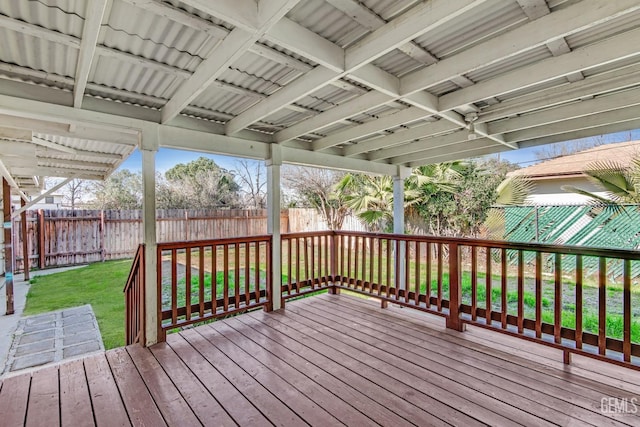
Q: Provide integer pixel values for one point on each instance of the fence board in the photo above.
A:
(68, 237)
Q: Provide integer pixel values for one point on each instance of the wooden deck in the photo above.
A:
(326, 360)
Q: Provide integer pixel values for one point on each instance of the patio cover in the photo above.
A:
(363, 85)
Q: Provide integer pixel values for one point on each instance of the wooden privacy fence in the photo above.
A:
(66, 237)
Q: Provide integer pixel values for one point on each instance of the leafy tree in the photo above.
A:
(122, 190)
(200, 184)
(315, 188)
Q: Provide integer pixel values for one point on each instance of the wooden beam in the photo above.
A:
(333, 115)
(36, 199)
(356, 132)
(566, 126)
(583, 108)
(423, 18)
(234, 45)
(53, 145)
(243, 14)
(606, 82)
(400, 137)
(4, 172)
(398, 154)
(614, 49)
(575, 18)
(90, 32)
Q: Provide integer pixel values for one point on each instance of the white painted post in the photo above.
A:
(149, 147)
(398, 223)
(273, 224)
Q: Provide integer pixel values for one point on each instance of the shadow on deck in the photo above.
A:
(326, 360)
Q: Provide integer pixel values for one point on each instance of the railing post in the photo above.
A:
(333, 253)
(455, 291)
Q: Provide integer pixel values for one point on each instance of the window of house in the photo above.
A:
(48, 199)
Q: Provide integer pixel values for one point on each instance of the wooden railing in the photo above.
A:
(576, 299)
(134, 300)
(223, 277)
(306, 263)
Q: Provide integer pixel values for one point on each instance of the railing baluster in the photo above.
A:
(626, 311)
(371, 255)
(289, 265)
(440, 274)
(503, 283)
(349, 277)
(428, 273)
(236, 267)
(417, 276)
(214, 279)
(174, 286)
(247, 274)
(557, 300)
(225, 269)
(256, 267)
(364, 263)
(388, 268)
(356, 263)
(474, 284)
(312, 258)
(297, 265)
(407, 272)
(305, 254)
(538, 292)
(397, 269)
(520, 292)
(487, 291)
(187, 284)
(602, 305)
(379, 280)
(201, 279)
(579, 301)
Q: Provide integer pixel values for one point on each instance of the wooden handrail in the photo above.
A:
(134, 300)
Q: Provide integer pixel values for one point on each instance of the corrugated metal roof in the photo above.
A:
(325, 20)
(143, 58)
(487, 20)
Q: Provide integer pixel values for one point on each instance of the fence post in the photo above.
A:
(455, 291)
(25, 241)
(102, 237)
(8, 249)
(41, 253)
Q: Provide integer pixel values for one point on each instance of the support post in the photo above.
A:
(149, 147)
(8, 249)
(455, 291)
(398, 224)
(41, 243)
(273, 226)
(25, 241)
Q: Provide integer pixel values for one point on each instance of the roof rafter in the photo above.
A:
(427, 17)
(90, 32)
(607, 51)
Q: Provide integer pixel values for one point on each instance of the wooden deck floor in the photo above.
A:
(326, 360)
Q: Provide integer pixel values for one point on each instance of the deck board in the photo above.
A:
(325, 360)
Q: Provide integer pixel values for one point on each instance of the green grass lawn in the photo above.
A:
(98, 284)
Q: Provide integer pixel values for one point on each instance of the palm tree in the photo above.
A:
(511, 192)
(371, 197)
(622, 184)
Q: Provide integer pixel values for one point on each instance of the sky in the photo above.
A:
(167, 158)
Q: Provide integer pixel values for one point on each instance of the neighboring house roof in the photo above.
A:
(572, 165)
